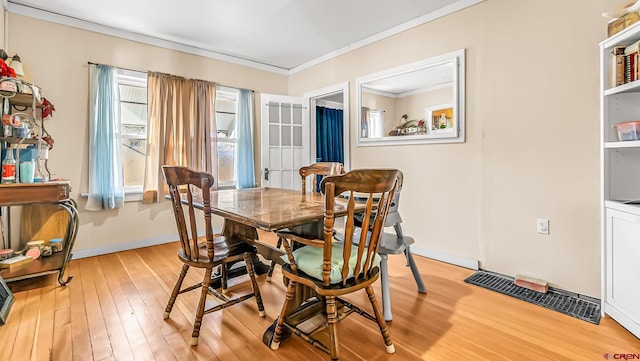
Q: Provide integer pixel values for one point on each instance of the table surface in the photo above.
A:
(270, 209)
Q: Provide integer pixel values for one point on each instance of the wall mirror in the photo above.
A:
(421, 102)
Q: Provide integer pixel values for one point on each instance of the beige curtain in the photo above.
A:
(181, 125)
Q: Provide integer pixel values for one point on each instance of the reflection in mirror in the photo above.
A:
(421, 102)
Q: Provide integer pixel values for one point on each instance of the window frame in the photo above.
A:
(134, 79)
(234, 140)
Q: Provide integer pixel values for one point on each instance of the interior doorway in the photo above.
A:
(330, 141)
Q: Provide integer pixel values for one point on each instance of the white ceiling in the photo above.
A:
(278, 35)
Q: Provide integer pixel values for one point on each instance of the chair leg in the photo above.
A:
(223, 278)
(200, 311)
(273, 263)
(254, 283)
(332, 322)
(384, 284)
(415, 270)
(176, 291)
(410, 261)
(383, 325)
(291, 290)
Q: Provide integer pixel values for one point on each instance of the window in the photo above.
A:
(226, 138)
(133, 112)
(376, 119)
(132, 87)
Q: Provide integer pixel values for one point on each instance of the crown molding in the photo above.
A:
(23, 10)
(444, 11)
(19, 9)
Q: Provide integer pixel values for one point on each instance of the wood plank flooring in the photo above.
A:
(112, 310)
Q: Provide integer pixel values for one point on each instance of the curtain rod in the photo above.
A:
(140, 71)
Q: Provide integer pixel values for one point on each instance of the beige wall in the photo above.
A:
(532, 131)
(55, 58)
(532, 138)
(2, 44)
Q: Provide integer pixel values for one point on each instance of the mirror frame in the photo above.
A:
(458, 103)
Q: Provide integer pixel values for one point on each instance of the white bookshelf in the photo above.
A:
(620, 184)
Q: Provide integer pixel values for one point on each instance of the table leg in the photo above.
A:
(235, 234)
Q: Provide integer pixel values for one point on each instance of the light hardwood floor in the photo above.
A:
(112, 310)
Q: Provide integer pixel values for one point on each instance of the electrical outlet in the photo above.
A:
(543, 226)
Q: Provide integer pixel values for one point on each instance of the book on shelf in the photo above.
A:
(617, 76)
(631, 57)
(15, 261)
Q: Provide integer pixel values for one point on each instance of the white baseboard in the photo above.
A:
(123, 246)
(447, 257)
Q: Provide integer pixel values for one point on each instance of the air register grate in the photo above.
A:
(578, 306)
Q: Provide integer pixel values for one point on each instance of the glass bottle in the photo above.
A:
(39, 175)
(9, 167)
(7, 128)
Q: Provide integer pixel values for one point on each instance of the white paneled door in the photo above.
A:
(284, 140)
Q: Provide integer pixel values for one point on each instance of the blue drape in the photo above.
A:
(329, 135)
(106, 185)
(246, 173)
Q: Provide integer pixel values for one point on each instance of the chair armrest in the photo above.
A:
(285, 236)
(296, 238)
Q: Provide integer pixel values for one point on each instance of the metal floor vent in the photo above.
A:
(578, 306)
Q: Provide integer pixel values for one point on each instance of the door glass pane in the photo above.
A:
(274, 112)
(297, 115)
(286, 113)
(274, 179)
(297, 158)
(274, 135)
(287, 181)
(286, 135)
(274, 158)
(297, 136)
(287, 159)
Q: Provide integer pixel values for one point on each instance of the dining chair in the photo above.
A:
(394, 243)
(318, 170)
(208, 251)
(332, 269)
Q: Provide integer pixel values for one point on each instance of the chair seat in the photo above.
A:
(389, 244)
(309, 261)
(221, 250)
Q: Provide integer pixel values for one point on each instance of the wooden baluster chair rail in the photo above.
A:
(333, 269)
(206, 252)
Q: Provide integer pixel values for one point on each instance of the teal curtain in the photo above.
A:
(246, 173)
(106, 185)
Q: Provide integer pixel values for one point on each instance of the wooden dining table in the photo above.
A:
(271, 209)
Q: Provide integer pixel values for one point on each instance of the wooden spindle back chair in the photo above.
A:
(208, 251)
(322, 169)
(332, 269)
